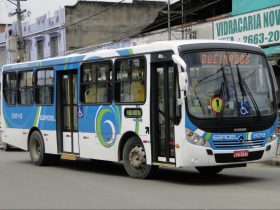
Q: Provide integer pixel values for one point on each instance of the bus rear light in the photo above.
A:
(177, 146)
(146, 141)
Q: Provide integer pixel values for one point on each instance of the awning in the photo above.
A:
(272, 50)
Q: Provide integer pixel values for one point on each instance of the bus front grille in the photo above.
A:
(238, 145)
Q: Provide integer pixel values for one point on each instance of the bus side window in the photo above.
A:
(9, 88)
(96, 82)
(25, 88)
(44, 90)
(130, 80)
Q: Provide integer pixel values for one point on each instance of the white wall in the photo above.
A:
(199, 31)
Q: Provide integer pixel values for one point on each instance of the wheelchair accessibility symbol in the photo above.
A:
(80, 112)
(243, 108)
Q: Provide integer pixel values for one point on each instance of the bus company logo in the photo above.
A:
(108, 124)
(241, 139)
(49, 118)
(228, 137)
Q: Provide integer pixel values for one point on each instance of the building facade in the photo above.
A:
(83, 25)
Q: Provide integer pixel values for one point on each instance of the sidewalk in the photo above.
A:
(275, 161)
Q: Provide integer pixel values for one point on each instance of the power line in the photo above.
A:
(119, 35)
(127, 32)
(98, 13)
(162, 23)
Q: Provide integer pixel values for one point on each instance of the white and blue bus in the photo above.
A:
(204, 104)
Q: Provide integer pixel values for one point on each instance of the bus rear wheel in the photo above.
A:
(37, 151)
(134, 157)
(209, 170)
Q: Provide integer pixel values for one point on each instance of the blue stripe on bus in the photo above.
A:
(45, 63)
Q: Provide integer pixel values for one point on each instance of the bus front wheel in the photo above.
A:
(134, 158)
(37, 151)
(209, 170)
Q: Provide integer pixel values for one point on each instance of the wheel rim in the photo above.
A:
(137, 157)
(35, 149)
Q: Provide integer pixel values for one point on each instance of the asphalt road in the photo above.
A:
(87, 185)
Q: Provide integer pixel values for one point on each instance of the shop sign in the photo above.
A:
(261, 27)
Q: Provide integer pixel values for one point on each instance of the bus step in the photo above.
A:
(68, 156)
(163, 164)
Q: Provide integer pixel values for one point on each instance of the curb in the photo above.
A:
(273, 162)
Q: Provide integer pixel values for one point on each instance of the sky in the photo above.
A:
(38, 8)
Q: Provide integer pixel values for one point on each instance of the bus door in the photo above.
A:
(67, 106)
(163, 91)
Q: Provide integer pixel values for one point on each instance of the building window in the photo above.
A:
(130, 82)
(54, 46)
(28, 48)
(10, 88)
(96, 83)
(44, 83)
(3, 58)
(25, 88)
(40, 49)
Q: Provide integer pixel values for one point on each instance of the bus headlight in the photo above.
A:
(273, 137)
(196, 139)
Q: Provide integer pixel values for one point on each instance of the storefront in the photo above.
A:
(260, 27)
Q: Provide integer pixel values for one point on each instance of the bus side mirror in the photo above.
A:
(180, 62)
(183, 81)
(183, 75)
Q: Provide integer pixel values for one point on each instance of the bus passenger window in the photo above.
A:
(130, 82)
(44, 86)
(96, 83)
(9, 88)
(25, 88)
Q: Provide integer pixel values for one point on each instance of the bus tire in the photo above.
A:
(37, 151)
(134, 158)
(7, 147)
(209, 170)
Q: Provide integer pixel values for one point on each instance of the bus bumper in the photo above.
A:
(195, 156)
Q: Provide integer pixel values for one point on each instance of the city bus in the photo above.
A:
(204, 104)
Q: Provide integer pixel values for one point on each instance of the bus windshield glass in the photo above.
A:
(225, 84)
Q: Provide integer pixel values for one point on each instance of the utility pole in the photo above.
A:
(19, 14)
(169, 28)
(182, 7)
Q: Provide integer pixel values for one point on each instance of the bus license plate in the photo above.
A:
(239, 154)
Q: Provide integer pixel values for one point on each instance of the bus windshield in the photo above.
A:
(227, 84)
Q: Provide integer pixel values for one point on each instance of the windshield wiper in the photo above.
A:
(223, 90)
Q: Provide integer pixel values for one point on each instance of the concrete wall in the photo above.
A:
(116, 23)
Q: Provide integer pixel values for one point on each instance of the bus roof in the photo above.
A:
(109, 53)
